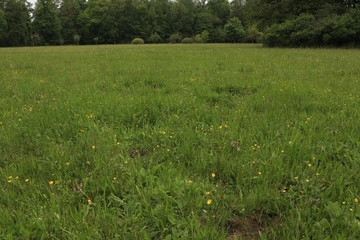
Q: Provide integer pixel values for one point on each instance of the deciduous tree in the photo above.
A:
(3, 27)
(17, 19)
(69, 11)
(46, 22)
(234, 30)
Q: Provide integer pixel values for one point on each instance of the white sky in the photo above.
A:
(32, 2)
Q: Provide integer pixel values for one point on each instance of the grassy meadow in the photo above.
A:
(179, 142)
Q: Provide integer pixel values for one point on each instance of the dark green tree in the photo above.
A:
(235, 31)
(217, 35)
(132, 20)
(17, 18)
(69, 11)
(99, 21)
(220, 9)
(265, 13)
(340, 31)
(3, 27)
(46, 22)
(304, 23)
(308, 31)
(158, 18)
(182, 17)
(205, 20)
(237, 9)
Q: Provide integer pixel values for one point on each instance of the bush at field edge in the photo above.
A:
(137, 41)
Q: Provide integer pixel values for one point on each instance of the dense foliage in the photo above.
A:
(284, 23)
(309, 30)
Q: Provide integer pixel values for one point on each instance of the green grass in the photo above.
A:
(179, 141)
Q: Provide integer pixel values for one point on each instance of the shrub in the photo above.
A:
(77, 39)
(187, 40)
(304, 31)
(217, 35)
(278, 35)
(340, 30)
(154, 38)
(198, 38)
(204, 36)
(175, 38)
(137, 41)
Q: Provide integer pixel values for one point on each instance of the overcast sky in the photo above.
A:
(32, 2)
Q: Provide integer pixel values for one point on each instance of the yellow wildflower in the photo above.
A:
(209, 201)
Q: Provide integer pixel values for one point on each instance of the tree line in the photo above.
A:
(281, 23)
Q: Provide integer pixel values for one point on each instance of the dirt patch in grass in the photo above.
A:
(134, 153)
(248, 227)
